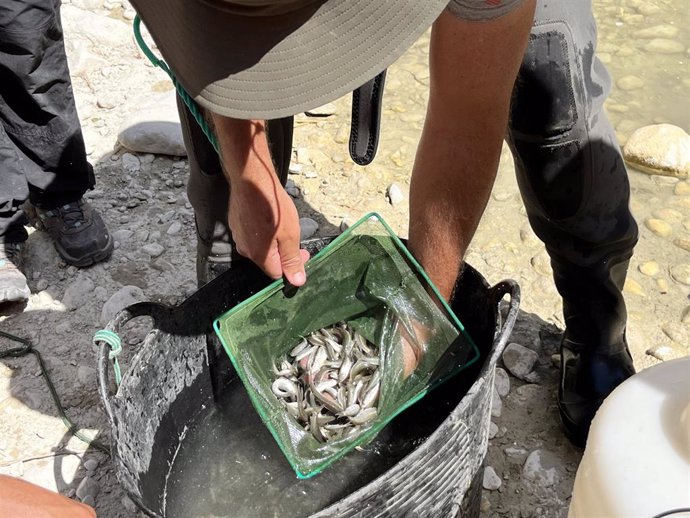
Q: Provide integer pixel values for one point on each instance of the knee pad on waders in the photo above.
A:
(568, 164)
(547, 130)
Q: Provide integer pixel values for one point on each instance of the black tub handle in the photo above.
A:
(139, 309)
(505, 327)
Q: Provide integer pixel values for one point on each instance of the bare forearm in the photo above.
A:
(20, 499)
(262, 217)
(243, 148)
(473, 68)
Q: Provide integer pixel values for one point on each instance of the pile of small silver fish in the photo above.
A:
(330, 382)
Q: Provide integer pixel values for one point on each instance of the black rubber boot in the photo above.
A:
(595, 358)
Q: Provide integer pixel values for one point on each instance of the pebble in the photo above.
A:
(662, 284)
(682, 189)
(542, 264)
(153, 249)
(661, 352)
(101, 293)
(658, 31)
(519, 360)
(670, 215)
(541, 467)
(87, 487)
(41, 285)
(344, 224)
(515, 452)
(659, 227)
(502, 194)
(664, 46)
(491, 481)
(633, 287)
(295, 169)
(90, 464)
(649, 268)
(63, 327)
(130, 163)
(302, 155)
(628, 83)
(394, 194)
(496, 404)
(307, 228)
(174, 228)
(678, 332)
(681, 274)
(502, 382)
(292, 189)
(648, 9)
(122, 235)
(493, 430)
(528, 237)
(682, 243)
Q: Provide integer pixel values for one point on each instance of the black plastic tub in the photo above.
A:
(186, 442)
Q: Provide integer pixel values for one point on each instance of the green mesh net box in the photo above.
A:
(368, 279)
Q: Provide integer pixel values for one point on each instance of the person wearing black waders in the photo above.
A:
(246, 62)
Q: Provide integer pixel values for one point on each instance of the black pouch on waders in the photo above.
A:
(367, 278)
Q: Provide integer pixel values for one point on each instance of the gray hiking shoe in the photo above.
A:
(79, 233)
(13, 287)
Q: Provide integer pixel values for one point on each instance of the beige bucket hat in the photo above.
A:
(274, 58)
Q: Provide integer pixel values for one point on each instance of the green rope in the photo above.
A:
(28, 348)
(193, 107)
(115, 344)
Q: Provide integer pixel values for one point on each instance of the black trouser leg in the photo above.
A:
(43, 141)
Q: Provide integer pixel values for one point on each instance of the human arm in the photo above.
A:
(262, 217)
(473, 66)
(21, 499)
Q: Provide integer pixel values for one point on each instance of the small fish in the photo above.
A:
(284, 388)
(329, 382)
(364, 416)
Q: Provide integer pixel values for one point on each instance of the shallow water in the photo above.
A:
(230, 465)
(648, 40)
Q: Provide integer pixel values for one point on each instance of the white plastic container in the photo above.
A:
(637, 459)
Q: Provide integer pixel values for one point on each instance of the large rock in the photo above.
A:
(126, 296)
(659, 149)
(154, 128)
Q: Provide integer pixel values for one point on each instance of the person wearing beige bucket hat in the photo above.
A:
(245, 61)
(249, 61)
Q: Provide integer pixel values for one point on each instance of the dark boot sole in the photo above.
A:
(574, 432)
(93, 258)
